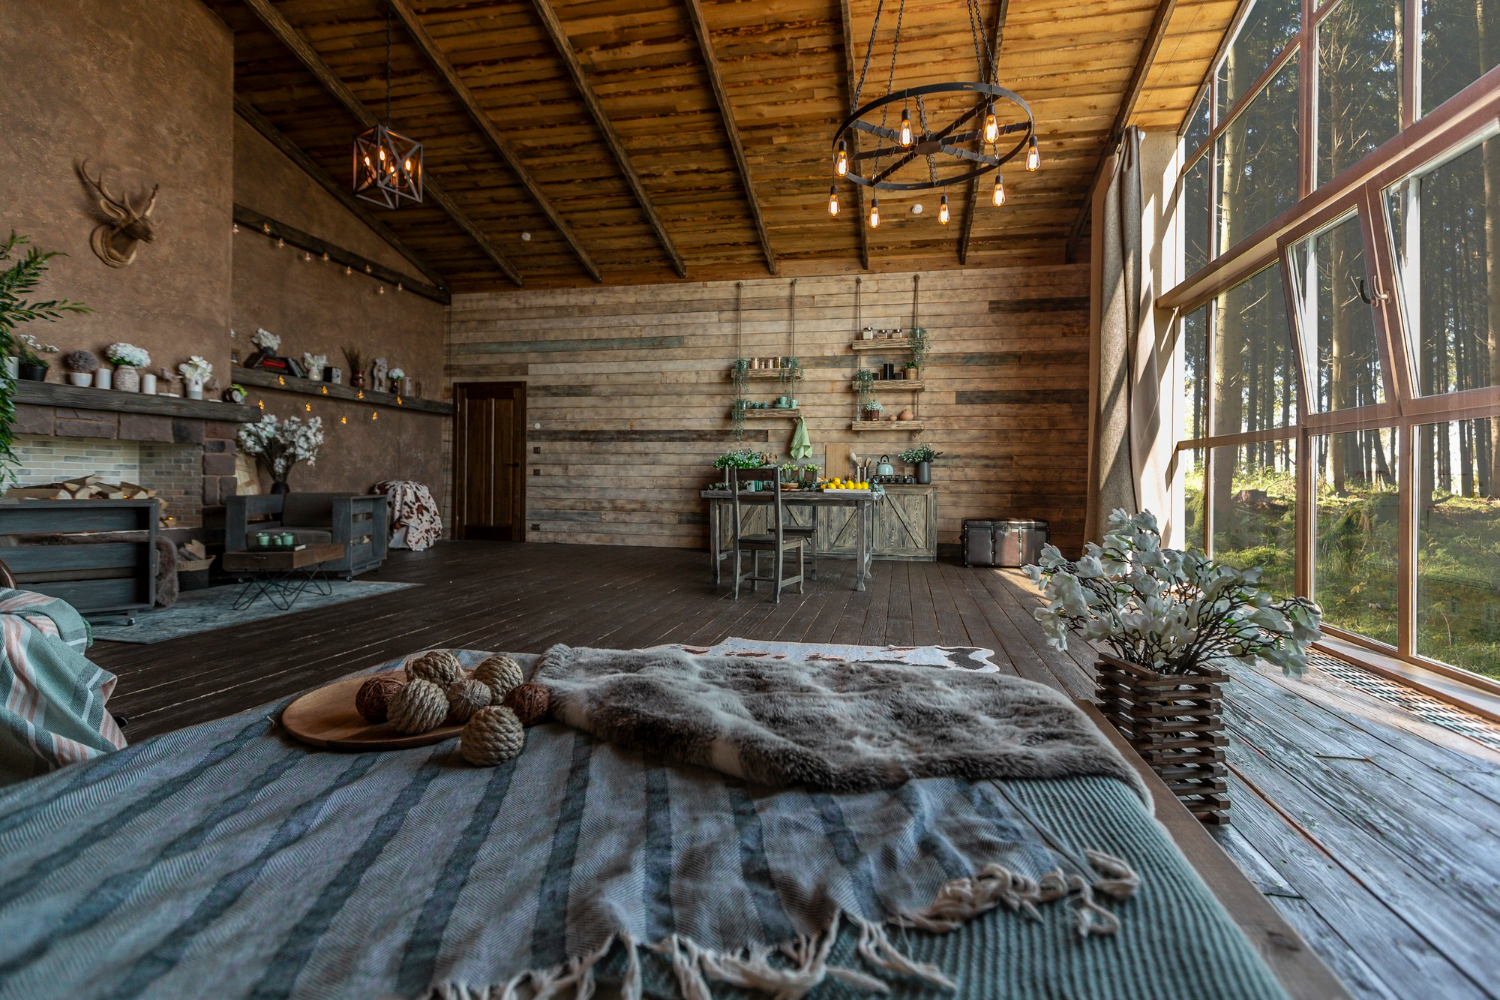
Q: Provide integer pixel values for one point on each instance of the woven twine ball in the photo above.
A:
(500, 673)
(438, 665)
(418, 707)
(374, 697)
(530, 703)
(492, 736)
(467, 696)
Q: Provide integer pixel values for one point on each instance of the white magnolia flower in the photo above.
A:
(314, 364)
(266, 340)
(128, 355)
(196, 369)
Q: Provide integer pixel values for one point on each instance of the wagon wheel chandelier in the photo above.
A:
(968, 146)
(387, 165)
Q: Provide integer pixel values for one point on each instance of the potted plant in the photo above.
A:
(355, 358)
(864, 388)
(1171, 620)
(33, 367)
(195, 371)
(917, 342)
(81, 366)
(235, 393)
(922, 456)
(790, 373)
(278, 445)
(911, 371)
(128, 361)
(742, 458)
(872, 410)
(396, 377)
(313, 365)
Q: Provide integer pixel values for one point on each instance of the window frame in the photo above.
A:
(1423, 142)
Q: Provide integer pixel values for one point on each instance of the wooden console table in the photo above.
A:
(845, 523)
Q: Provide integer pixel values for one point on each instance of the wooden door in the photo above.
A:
(489, 461)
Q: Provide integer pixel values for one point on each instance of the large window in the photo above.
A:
(1339, 328)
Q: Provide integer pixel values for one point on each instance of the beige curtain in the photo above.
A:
(1117, 259)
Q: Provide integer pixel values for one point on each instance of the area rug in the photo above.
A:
(975, 658)
(206, 610)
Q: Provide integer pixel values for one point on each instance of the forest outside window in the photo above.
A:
(1357, 541)
(1254, 379)
(1337, 323)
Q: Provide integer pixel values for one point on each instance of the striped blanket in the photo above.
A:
(227, 859)
(51, 697)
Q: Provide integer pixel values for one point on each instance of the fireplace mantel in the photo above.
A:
(76, 397)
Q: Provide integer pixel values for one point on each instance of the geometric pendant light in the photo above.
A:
(387, 165)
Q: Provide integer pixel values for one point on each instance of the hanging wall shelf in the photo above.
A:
(888, 426)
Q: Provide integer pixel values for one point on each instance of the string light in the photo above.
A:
(374, 415)
(325, 258)
(261, 403)
(348, 270)
(325, 390)
(991, 127)
(380, 290)
(398, 401)
(943, 211)
(361, 394)
(281, 379)
(343, 420)
(400, 287)
(999, 196)
(280, 243)
(235, 229)
(874, 212)
(841, 161)
(1033, 155)
(833, 199)
(306, 257)
(367, 268)
(265, 227)
(307, 407)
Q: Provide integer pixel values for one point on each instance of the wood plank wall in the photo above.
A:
(630, 387)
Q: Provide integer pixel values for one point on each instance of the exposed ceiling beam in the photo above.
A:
(1128, 101)
(564, 46)
(308, 56)
(732, 130)
(849, 84)
(293, 152)
(491, 131)
(971, 204)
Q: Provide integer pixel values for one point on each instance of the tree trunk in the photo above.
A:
(1488, 43)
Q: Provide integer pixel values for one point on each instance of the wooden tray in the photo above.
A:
(326, 718)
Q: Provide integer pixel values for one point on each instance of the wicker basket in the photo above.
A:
(1175, 722)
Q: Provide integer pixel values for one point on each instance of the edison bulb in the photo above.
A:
(905, 127)
(833, 200)
(943, 211)
(874, 212)
(999, 195)
(991, 129)
(841, 161)
(1033, 156)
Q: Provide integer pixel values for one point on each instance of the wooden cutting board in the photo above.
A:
(326, 718)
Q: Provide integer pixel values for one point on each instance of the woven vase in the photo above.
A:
(127, 379)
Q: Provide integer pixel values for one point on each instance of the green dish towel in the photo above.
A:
(801, 443)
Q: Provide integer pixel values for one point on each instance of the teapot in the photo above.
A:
(884, 468)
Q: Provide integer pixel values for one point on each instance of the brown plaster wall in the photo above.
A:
(142, 88)
(316, 308)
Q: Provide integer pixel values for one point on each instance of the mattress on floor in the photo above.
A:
(228, 855)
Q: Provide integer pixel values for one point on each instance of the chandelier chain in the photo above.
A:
(388, 67)
(859, 88)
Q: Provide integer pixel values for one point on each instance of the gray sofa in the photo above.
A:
(358, 521)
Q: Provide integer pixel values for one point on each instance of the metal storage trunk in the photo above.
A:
(1018, 542)
(979, 542)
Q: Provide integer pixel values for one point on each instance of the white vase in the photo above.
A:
(103, 378)
(195, 390)
(148, 384)
(81, 378)
(127, 378)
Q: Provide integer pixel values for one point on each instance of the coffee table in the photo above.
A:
(282, 575)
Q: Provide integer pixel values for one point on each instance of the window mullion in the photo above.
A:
(1307, 84)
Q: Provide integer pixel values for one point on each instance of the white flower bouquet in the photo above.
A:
(266, 340)
(314, 365)
(281, 444)
(128, 355)
(195, 370)
(1170, 611)
(396, 375)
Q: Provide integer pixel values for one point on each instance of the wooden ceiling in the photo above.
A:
(596, 125)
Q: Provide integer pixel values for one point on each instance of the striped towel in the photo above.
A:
(51, 696)
(227, 859)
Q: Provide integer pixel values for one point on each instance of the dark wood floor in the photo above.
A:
(1376, 833)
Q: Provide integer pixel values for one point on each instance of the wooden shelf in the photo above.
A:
(889, 426)
(899, 384)
(760, 373)
(327, 390)
(902, 346)
(79, 397)
(771, 414)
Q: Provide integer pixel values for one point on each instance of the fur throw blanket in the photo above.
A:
(832, 725)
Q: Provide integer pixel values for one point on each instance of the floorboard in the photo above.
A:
(1374, 833)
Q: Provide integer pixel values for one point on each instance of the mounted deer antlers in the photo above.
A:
(116, 241)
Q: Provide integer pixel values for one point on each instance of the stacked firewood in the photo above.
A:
(86, 488)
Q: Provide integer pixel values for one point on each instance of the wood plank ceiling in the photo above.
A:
(597, 126)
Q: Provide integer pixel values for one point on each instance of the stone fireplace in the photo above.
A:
(182, 449)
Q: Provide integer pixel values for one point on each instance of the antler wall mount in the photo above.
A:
(117, 240)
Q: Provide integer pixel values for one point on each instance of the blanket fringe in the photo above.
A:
(957, 902)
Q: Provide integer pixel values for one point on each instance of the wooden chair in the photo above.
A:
(776, 541)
